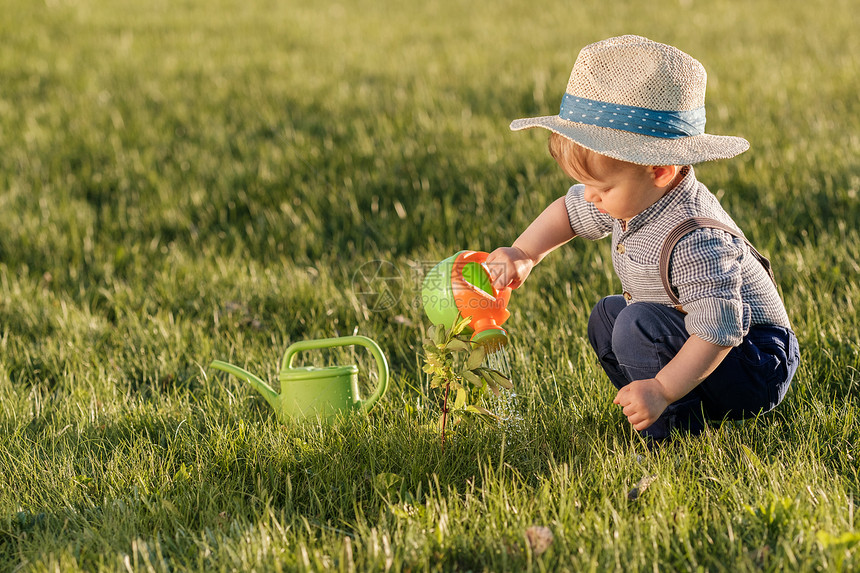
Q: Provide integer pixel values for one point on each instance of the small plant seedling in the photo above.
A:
(453, 362)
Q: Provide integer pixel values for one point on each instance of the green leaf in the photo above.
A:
(461, 325)
(491, 384)
(752, 458)
(460, 400)
(458, 345)
(439, 335)
(500, 378)
(476, 357)
(483, 412)
(471, 378)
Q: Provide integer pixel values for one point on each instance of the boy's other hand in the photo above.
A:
(509, 267)
(642, 401)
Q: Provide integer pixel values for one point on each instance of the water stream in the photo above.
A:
(497, 358)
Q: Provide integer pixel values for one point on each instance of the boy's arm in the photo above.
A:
(642, 401)
(510, 266)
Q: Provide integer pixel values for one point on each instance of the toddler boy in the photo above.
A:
(700, 331)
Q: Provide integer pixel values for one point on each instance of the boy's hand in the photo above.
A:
(509, 267)
(642, 401)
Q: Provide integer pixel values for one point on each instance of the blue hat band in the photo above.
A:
(641, 120)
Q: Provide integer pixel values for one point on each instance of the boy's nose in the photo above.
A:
(588, 195)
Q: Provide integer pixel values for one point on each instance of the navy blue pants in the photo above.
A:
(634, 342)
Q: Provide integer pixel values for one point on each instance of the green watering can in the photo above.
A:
(307, 392)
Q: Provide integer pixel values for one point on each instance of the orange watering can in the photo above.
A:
(460, 286)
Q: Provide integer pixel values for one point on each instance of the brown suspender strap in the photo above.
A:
(687, 226)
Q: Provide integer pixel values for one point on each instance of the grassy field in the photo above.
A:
(183, 181)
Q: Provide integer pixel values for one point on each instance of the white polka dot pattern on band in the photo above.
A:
(664, 124)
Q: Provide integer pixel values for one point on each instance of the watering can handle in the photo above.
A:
(381, 362)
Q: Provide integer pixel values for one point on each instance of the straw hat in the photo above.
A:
(638, 101)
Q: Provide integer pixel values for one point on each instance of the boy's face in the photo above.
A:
(621, 190)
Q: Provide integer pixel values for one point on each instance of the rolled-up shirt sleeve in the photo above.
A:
(706, 271)
(585, 220)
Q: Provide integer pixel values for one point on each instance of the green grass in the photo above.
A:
(183, 181)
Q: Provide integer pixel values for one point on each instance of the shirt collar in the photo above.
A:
(676, 194)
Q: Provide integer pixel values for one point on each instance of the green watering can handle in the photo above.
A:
(381, 362)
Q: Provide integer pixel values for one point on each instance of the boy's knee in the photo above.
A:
(601, 322)
(647, 323)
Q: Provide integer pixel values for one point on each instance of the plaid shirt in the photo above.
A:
(721, 285)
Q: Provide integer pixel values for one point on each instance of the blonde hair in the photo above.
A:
(583, 161)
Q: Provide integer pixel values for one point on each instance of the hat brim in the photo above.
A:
(636, 148)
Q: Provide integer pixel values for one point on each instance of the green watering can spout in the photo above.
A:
(258, 383)
(308, 391)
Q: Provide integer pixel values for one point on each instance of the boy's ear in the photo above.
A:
(663, 174)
